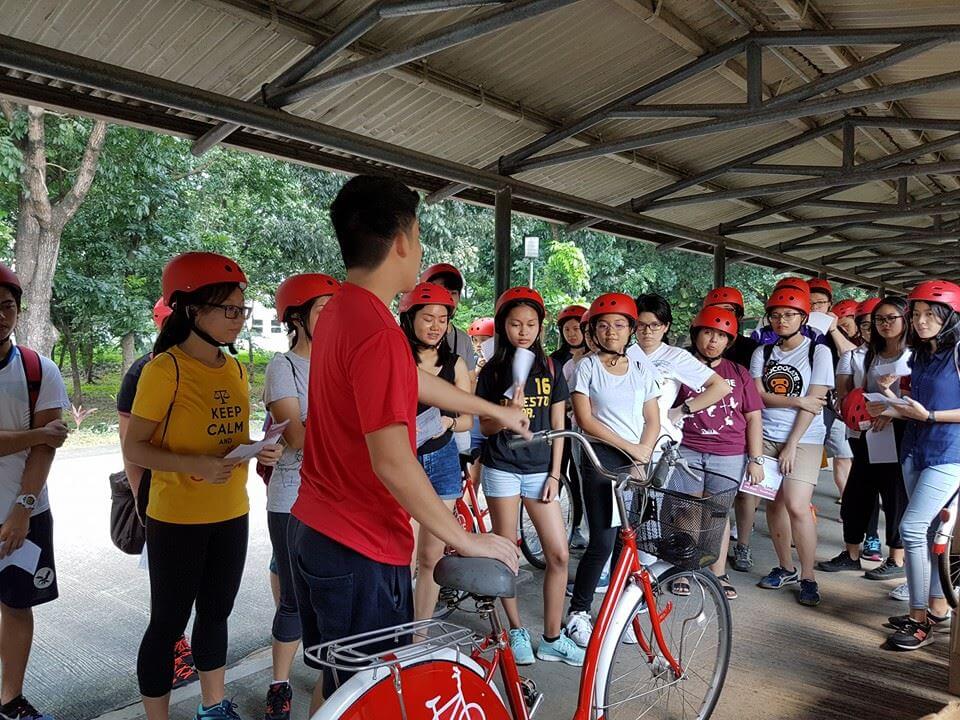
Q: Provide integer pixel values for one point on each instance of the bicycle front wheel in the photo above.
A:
(697, 634)
(529, 540)
(948, 564)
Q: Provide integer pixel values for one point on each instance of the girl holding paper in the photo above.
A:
(614, 400)
(425, 316)
(930, 453)
(519, 373)
(867, 367)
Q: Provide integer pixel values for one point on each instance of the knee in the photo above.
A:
(16, 615)
(558, 557)
(428, 556)
(913, 532)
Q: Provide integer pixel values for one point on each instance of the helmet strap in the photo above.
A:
(603, 350)
(210, 340)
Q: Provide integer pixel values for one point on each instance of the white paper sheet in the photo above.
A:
(899, 367)
(522, 364)
(428, 425)
(245, 452)
(880, 397)
(772, 479)
(820, 321)
(882, 446)
(27, 557)
(487, 348)
(143, 563)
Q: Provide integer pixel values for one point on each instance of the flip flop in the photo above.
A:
(728, 589)
(680, 588)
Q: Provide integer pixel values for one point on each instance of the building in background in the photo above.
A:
(266, 331)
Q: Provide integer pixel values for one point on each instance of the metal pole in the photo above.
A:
(501, 242)
(835, 220)
(531, 272)
(849, 36)
(448, 37)
(720, 264)
(754, 76)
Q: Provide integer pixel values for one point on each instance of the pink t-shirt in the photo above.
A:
(721, 429)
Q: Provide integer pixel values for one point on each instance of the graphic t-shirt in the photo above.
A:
(286, 377)
(209, 415)
(542, 390)
(789, 374)
(721, 429)
(15, 415)
(362, 379)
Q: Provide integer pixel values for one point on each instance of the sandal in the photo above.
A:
(728, 589)
(680, 588)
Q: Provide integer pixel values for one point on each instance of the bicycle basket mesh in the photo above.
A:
(677, 524)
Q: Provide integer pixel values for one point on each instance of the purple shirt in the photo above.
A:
(767, 335)
(721, 429)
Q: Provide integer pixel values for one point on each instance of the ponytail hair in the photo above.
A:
(301, 313)
(179, 325)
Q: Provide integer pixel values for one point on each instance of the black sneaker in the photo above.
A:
(809, 593)
(912, 636)
(20, 709)
(887, 570)
(843, 561)
(742, 559)
(279, 699)
(896, 622)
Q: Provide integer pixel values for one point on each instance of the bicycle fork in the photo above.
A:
(944, 534)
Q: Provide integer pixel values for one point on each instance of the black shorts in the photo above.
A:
(20, 589)
(341, 593)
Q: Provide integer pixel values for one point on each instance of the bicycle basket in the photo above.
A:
(683, 522)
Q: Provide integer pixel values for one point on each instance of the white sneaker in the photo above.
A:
(900, 592)
(630, 638)
(579, 628)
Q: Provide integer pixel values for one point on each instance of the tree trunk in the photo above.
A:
(63, 352)
(74, 368)
(129, 350)
(88, 360)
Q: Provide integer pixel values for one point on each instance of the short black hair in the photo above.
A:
(450, 281)
(367, 214)
(659, 306)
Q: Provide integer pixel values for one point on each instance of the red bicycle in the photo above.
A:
(651, 655)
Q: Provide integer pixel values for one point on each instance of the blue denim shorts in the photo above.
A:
(503, 483)
(443, 468)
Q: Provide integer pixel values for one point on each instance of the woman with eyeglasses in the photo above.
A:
(793, 377)
(869, 367)
(191, 409)
(930, 454)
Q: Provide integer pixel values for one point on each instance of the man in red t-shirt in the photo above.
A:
(351, 540)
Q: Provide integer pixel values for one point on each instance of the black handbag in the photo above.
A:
(128, 518)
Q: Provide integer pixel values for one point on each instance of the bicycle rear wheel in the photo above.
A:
(530, 541)
(697, 633)
(948, 565)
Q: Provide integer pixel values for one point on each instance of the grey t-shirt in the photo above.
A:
(286, 377)
(461, 345)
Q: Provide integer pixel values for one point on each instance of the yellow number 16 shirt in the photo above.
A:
(210, 416)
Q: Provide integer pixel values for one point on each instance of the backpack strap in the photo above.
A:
(166, 419)
(34, 376)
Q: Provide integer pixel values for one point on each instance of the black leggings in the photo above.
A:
(604, 540)
(569, 468)
(189, 564)
(286, 620)
(866, 482)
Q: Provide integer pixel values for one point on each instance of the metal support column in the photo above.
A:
(720, 264)
(501, 242)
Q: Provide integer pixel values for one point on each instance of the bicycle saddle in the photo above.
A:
(478, 576)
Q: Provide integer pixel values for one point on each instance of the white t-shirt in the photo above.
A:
(15, 415)
(789, 374)
(616, 400)
(674, 367)
(851, 363)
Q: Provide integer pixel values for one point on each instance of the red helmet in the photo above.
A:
(482, 327)
(939, 291)
(9, 279)
(441, 269)
(794, 282)
(716, 318)
(616, 303)
(853, 409)
(867, 306)
(519, 294)
(161, 311)
(584, 319)
(426, 294)
(723, 296)
(571, 312)
(820, 285)
(789, 297)
(194, 270)
(845, 308)
(297, 290)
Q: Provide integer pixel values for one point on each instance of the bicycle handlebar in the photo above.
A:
(549, 436)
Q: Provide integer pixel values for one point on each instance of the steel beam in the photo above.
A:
(502, 262)
(774, 169)
(67, 67)
(754, 75)
(720, 265)
(642, 112)
(851, 36)
(911, 123)
(845, 101)
(835, 220)
(455, 34)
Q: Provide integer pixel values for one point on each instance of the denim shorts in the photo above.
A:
(835, 442)
(719, 470)
(443, 468)
(503, 483)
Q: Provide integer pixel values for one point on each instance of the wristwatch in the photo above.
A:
(931, 417)
(26, 501)
(758, 459)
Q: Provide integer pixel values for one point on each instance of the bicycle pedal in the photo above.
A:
(532, 697)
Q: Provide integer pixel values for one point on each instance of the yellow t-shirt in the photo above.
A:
(210, 416)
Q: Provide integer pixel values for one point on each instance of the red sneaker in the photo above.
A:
(183, 670)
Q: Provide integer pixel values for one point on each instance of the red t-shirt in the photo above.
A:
(362, 379)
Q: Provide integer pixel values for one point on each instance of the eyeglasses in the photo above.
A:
(887, 319)
(652, 327)
(788, 316)
(8, 307)
(819, 303)
(232, 312)
(864, 324)
(620, 327)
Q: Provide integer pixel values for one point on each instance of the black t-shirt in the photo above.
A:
(128, 386)
(543, 389)
(561, 355)
(448, 372)
(742, 350)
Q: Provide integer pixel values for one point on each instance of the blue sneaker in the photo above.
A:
(563, 649)
(224, 710)
(521, 646)
(604, 584)
(778, 578)
(809, 593)
(872, 550)
(20, 709)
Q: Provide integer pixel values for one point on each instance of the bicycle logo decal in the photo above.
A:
(457, 707)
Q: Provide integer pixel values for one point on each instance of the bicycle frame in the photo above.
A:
(948, 519)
